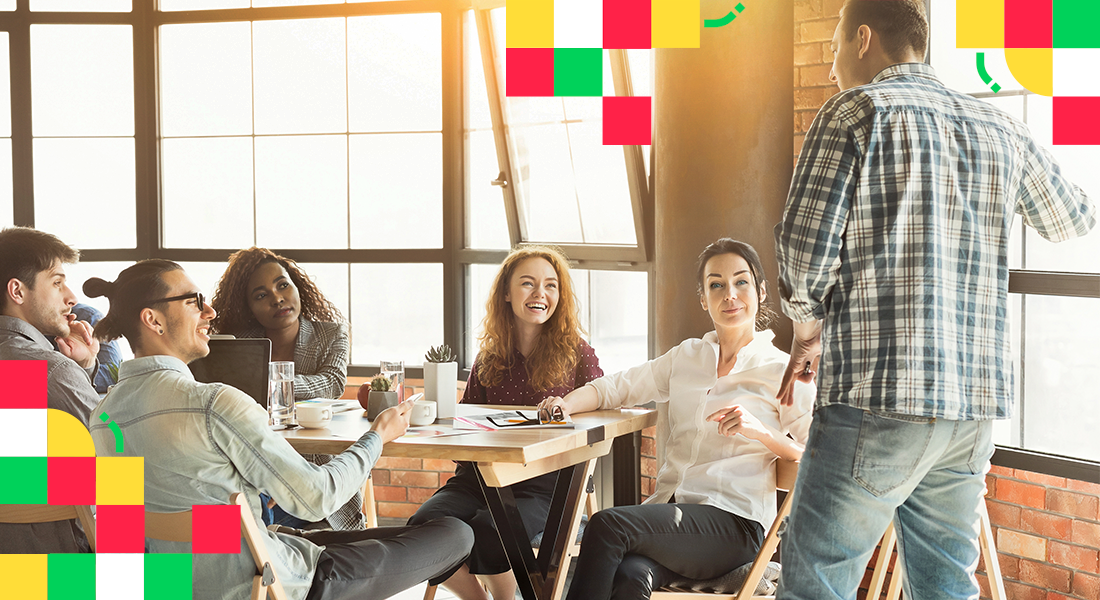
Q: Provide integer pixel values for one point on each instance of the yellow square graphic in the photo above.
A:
(23, 576)
(66, 435)
(120, 480)
(676, 23)
(980, 24)
(530, 24)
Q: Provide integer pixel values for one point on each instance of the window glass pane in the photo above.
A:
(207, 192)
(395, 73)
(487, 223)
(205, 275)
(302, 191)
(479, 280)
(397, 312)
(548, 193)
(206, 79)
(7, 4)
(957, 67)
(1060, 373)
(332, 280)
(84, 191)
(82, 80)
(603, 193)
(300, 76)
(7, 216)
(201, 4)
(477, 95)
(82, 5)
(641, 79)
(5, 86)
(617, 330)
(397, 190)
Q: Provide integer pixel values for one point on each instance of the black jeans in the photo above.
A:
(380, 562)
(629, 551)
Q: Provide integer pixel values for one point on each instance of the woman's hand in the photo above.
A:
(735, 419)
(552, 401)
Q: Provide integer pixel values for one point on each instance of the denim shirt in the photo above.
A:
(204, 441)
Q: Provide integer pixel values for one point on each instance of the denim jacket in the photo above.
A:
(204, 441)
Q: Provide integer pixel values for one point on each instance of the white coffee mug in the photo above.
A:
(314, 416)
(423, 413)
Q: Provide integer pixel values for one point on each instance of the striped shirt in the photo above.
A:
(895, 234)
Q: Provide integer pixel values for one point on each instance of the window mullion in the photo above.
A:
(641, 197)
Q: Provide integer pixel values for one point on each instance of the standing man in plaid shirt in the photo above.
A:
(893, 255)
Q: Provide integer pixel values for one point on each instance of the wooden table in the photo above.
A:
(504, 458)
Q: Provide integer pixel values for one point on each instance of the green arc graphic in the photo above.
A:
(115, 429)
(726, 20)
(985, 74)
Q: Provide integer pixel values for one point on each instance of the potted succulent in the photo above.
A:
(441, 379)
(378, 396)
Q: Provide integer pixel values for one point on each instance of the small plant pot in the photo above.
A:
(380, 401)
(441, 385)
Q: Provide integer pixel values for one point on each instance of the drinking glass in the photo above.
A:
(394, 370)
(280, 395)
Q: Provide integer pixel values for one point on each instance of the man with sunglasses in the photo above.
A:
(204, 441)
(36, 307)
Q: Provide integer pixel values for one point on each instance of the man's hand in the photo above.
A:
(80, 345)
(805, 356)
(392, 422)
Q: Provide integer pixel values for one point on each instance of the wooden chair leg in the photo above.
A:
(429, 593)
(882, 563)
(370, 512)
(989, 555)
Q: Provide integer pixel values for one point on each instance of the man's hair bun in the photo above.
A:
(96, 287)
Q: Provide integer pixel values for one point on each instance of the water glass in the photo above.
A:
(394, 370)
(280, 395)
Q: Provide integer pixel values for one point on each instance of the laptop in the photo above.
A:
(241, 363)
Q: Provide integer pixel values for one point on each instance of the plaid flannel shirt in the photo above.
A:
(896, 235)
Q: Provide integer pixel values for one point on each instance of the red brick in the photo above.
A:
(415, 478)
(390, 462)
(1010, 566)
(1021, 544)
(798, 139)
(990, 487)
(1086, 533)
(444, 478)
(808, 54)
(807, 117)
(1057, 596)
(807, 9)
(1074, 557)
(380, 476)
(439, 464)
(1044, 575)
(983, 585)
(1074, 505)
(1002, 471)
(649, 447)
(809, 98)
(816, 75)
(1025, 494)
(649, 467)
(1003, 515)
(817, 31)
(389, 493)
(1041, 478)
(1086, 586)
(1087, 487)
(419, 496)
(1019, 591)
(1045, 524)
(401, 510)
(831, 8)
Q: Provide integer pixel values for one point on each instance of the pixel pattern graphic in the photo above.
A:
(1052, 48)
(555, 48)
(49, 459)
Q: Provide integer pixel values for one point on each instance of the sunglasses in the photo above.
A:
(199, 298)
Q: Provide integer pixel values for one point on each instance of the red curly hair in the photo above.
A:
(555, 354)
(231, 296)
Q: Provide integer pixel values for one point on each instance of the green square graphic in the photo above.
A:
(70, 577)
(578, 71)
(24, 480)
(1076, 24)
(168, 576)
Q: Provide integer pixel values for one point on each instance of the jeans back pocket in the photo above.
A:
(889, 449)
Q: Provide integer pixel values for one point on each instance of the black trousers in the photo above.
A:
(629, 551)
(380, 562)
(461, 497)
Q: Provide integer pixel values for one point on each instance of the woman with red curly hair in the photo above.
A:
(531, 349)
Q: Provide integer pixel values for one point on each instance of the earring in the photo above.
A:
(160, 332)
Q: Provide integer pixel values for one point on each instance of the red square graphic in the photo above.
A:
(216, 529)
(22, 384)
(529, 72)
(627, 120)
(120, 529)
(70, 480)
(1076, 121)
(627, 24)
(1029, 23)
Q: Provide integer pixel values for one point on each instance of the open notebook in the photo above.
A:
(488, 419)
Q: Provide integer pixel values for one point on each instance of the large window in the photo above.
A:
(1055, 287)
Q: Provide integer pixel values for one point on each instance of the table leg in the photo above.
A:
(509, 524)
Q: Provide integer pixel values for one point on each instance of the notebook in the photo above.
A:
(241, 363)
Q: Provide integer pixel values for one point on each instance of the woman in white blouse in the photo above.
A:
(721, 427)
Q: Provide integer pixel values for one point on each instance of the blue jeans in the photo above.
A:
(860, 470)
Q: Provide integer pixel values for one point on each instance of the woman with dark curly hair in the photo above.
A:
(531, 349)
(262, 294)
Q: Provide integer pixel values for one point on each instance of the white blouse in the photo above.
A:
(702, 466)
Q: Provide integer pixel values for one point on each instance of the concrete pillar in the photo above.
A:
(723, 130)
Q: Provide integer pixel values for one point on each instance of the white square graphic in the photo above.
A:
(578, 24)
(1075, 71)
(25, 433)
(120, 576)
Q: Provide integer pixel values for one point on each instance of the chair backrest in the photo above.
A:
(786, 472)
(44, 513)
(176, 527)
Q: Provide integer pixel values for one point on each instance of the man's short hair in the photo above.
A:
(26, 252)
(900, 24)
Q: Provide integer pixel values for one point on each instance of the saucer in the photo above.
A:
(314, 424)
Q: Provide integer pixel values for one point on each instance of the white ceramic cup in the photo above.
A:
(423, 413)
(314, 416)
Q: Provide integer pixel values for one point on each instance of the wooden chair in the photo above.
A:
(43, 513)
(989, 555)
(176, 527)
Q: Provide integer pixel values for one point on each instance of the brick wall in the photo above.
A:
(814, 23)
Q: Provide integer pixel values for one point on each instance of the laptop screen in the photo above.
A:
(241, 363)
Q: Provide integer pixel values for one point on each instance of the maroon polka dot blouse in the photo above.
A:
(515, 390)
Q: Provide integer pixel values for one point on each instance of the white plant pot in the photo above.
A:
(441, 387)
